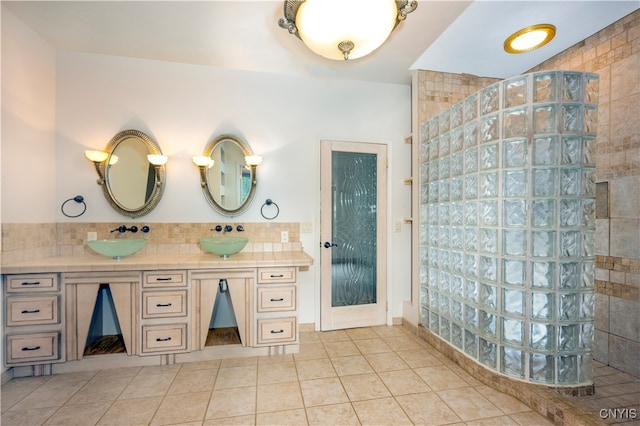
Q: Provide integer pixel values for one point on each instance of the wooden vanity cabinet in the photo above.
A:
(276, 308)
(34, 330)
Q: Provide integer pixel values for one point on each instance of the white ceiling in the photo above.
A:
(449, 36)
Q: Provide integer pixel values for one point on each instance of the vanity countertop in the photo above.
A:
(158, 261)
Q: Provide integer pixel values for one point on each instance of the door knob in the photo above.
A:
(327, 244)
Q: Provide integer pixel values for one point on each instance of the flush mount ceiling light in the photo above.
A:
(530, 38)
(344, 29)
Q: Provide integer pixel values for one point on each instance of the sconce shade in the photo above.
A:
(96, 156)
(253, 160)
(157, 159)
(203, 161)
(344, 29)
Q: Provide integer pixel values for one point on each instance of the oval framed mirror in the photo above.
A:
(132, 185)
(229, 183)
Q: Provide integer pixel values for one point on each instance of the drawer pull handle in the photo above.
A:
(27, 311)
(163, 339)
(279, 299)
(163, 305)
(277, 331)
(277, 275)
(31, 348)
(30, 283)
(163, 279)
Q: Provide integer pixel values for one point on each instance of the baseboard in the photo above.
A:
(7, 375)
(310, 326)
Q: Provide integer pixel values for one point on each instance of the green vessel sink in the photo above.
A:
(224, 246)
(117, 248)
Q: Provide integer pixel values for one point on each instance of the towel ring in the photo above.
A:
(269, 203)
(78, 199)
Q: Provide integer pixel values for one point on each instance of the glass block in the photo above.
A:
(471, 291)
(543, 243)
(457, 164)
(433, 128)
(457, 284)
(570, 182)
(543, 274)
(488, 185)
(456, 262)
(444, 214)
(515, 123)
(433, 235)
(456, 335)
(570, 244)
(592, 88)
(569, 277)
(490, 128)
(488, 296)
(457, 140)
(470, 135)
(471, 239)
(471, 160)
(424, 173)
(541, 337)
(572, 86)
(541, 368)
(587, 306)
(470, 213)
(424, 235)
(571, 149)
(434, 301)
(544, 119)
(433, 149)
(512, 331)
(489, 157)
(470, 107)
(588, 273)
(585, 368)
(457, 189)
(487, 323)
(434, 214)
(471, 344)
(515, 213)
(443, 191)
(588, 213)
(568, 336)
(515, 242)
(513, 302)
(586, 336)
(456, 311)
(489, 99)
(513, 271)
(434, 322)
(515, 153)
(424, 132)
(572, 116)
(488, 268)
(542, 305)
(512, 362)
(488, 240)
(445, 328)
(515, 183)
(444, 168)
(471, 187)
(456, 238)
(487, 353)
(544, 183)
(470, 317)
(545, 150)
(444, 262)
(424, 194)
(434, 282)
(471, 265)
(445, 306)
(456, 115)
(588, 244)
(488, 212)
(515, 92)
(589, 149)
(570, 212)
(443, 121)
(424, 317)
(456, 211)
(567, 306)
(589, 182)
(434, 170)
(544, 89)
(543, 213)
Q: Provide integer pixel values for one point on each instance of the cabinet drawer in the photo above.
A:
(164, 279)
(276, 330)
(277, 298)
(33, 347)
(164, 338)
(32, 283)
(276, 275)
(160, 304)
(32, 310)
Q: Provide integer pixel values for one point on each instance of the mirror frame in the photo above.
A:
(208, 150)
(158, 190)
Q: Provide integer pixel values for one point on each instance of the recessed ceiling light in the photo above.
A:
(530, 38)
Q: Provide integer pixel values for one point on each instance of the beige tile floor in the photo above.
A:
(378, 375)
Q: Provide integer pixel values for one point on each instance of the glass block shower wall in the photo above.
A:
(507, 221)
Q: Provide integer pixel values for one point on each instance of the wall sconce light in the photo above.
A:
(203, 163)
(253, 161)
(157, 160)
(97, 158)
(344, 29)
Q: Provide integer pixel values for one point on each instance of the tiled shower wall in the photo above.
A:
(507, 221)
